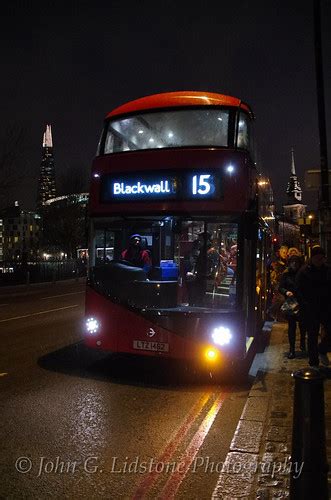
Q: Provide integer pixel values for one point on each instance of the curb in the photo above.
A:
(258, 459)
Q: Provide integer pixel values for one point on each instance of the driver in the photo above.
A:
(136, 255)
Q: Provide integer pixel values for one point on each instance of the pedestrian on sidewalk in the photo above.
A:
(277, 268)
(313, 290)
(293, 251)
(287, 288)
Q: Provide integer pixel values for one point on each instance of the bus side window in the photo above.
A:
(144, 246)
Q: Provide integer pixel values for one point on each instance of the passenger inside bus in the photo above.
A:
(207, 269)
(136, 254)
(194, 258)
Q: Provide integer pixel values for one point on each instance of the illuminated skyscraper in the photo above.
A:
(46, 186)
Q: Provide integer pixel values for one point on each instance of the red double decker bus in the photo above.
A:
(178, 252)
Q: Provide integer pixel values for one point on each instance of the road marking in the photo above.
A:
(62, 295)
(174, 443)
(3, 374)
(38, 313)
(175, 480)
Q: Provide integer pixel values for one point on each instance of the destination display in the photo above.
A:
(164, 185)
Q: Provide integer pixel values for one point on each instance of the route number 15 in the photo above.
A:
(200, 184)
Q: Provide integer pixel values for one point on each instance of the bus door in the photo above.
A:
(206, 252)
(250, 275)
(262, 275)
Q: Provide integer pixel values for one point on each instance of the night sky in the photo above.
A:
(68, 64)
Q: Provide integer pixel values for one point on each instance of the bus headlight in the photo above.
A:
(221, 335)
(92, 325)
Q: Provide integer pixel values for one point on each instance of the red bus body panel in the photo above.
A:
(120, 326)
(238, 187)
(178, 100)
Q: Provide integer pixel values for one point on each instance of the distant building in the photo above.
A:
(46, 186)
(266, 202)
(68, 199)
(65, 224)
(19, 235)
(294, 208)
(287, 223)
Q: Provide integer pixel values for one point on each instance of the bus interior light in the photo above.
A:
(230, 169)
(92, 325)
(221, 335)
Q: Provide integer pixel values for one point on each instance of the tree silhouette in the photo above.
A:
(65, 226)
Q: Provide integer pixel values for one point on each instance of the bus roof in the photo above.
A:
(179, 99)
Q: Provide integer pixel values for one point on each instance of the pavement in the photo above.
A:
(258, 463)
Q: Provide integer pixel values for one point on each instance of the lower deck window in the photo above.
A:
(166, 262)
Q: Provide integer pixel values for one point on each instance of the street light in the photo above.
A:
(305, 224)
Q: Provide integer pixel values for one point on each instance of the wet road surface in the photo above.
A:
(81, 424)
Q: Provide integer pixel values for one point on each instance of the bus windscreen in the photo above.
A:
(175, 262)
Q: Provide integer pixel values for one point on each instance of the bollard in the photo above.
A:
(308, 438)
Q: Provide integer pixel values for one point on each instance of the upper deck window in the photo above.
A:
(168, 129)
(244, 132)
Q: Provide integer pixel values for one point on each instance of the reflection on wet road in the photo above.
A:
(89, 425)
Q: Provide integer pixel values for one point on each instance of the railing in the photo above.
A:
(43, 271)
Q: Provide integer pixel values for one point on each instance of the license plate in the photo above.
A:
(145, 345)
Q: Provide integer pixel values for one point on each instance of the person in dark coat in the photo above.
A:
(136, 255)
(313, 290)
(287, 288)
(277, 268)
